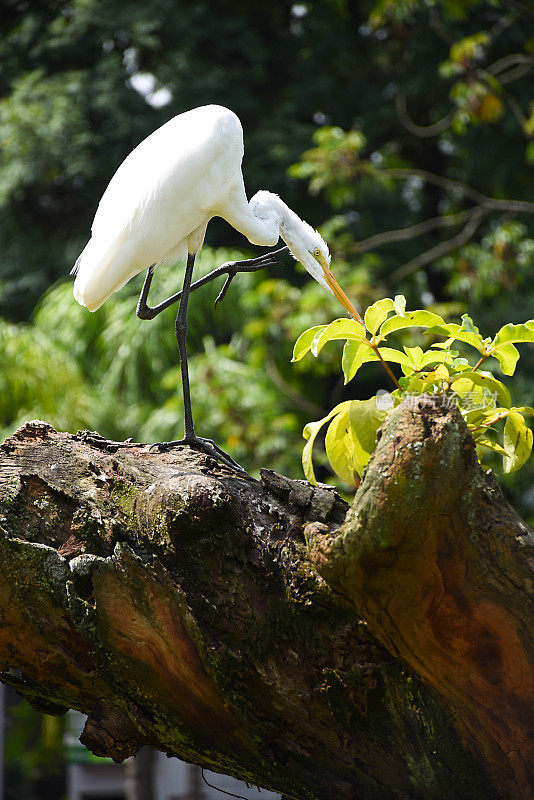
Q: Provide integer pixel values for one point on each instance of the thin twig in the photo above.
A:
(474, 216)
(515, 74)
(435, 23)
(489, 422)
(508, 61)
(420, 228)
(386, 366)
(423, 131)
(440, 249)
(479, 362)
(515, 108)
(516, 206)
(500, 26)
(522, 7)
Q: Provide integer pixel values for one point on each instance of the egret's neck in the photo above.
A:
(258, 219)
(293, 231)
(265, 219)
(299, 237)
(270, 210)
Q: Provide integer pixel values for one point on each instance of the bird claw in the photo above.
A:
(207, 446)
(220, 296)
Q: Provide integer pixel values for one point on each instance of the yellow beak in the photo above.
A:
(337, 290)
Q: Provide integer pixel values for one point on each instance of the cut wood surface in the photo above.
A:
(267, 630)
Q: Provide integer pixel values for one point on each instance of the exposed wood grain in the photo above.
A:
(259, 629)
(439, 565)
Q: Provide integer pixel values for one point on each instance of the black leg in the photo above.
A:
(231, 269)
(180, 327)
(144, 311)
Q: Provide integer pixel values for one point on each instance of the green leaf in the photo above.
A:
(483, 441)
(412, 384)
(310, 433)
(468, 325)
(434, 379)
(517, 442)
(442, 345)
(399, 304)
(353, 357)
(365, 419)
(391, 354)
(439, 330)
(507, 355)
(338, 329)
(528, 410)
(460, 364)
(415, 319)
(515, 333)
(340, 448)
(304, 342)
(486, 381)
(457, 332)
(420, 359)
(414, 355)
(435, 357)
(377, 313)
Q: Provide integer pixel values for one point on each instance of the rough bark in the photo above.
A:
(265, 630)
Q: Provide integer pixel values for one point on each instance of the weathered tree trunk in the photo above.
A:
(265, 630)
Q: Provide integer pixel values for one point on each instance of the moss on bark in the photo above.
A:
(236, 623)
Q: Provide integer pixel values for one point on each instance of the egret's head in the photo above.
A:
(316, 259)
(321, 255)
(308, 247)
(311, 250)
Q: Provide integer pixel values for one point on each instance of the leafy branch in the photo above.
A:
(477, 93)
(473, 216)
(412, 231)
(441, 249)
(439, 371)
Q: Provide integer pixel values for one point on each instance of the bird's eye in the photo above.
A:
(316, 252)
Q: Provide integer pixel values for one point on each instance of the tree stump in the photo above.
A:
(265, 629)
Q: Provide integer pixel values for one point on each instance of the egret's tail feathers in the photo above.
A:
(104, 267)
(76, 267)
(100, 270)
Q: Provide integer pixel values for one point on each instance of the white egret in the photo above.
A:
(156, 209)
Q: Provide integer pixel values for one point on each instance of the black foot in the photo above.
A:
(207, 446)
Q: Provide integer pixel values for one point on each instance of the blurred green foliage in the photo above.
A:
(33, 753)
(439, 373)
(400, 128)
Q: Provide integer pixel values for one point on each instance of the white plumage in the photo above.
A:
(156, 209)
(159, 202)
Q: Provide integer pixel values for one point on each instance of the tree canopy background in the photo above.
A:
(404, 130)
